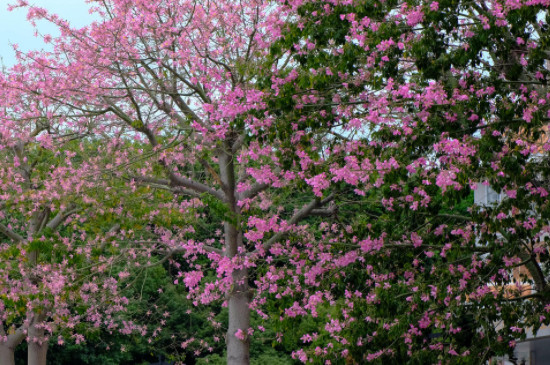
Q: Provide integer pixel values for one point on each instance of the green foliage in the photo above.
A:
(270, 356)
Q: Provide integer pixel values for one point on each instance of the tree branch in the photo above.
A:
(171, 253)
(16, 338)
(11, 234)
(534, 269)
(328, 212)
(179, 184)
(195, 186)
(256, 188)
(61, 216)
(298, 216)
(253, 191)
(182, 105)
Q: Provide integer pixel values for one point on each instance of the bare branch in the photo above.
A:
(152, 180)
(205, 247)
(211, 171)
(195, 88)
(16, 338)
(253, 191)
(114, 228)
(126, 118)
(61, 216)
(174, 95)
(178, 184)
(238, 143)
(195, 186)
(535, 270)
(11, 234)
(171, 253)
(328, 212)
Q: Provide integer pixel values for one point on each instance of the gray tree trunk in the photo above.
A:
(38, 346)
(238, 350)
(6, 355)
(7, 349)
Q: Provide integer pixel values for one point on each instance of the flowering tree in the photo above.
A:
(432, 100)
(56, 271)
(182, 76)
(380, 117)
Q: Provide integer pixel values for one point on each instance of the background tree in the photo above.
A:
(52, 277)
(431, 99)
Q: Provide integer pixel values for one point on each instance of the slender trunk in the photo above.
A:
(38, 346)
(238, 349)
(37, 343)
(6, 355)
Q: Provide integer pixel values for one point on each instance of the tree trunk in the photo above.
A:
(238, 349)
(6, 355)
(38, 346)
(7, 349)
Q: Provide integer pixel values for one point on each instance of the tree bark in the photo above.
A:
(6, 355)
(7, 349)
(38, 346)
(37, 343)
(238, 349)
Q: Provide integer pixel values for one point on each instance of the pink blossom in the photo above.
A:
(240, 334)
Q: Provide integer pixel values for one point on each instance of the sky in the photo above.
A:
(14, 27)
